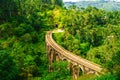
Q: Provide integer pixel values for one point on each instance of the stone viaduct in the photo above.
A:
(57, 53)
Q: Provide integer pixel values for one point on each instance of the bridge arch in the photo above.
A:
(81, 69)
(76, 71)
(57, 56)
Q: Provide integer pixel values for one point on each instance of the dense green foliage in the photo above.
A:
(93, 34)
(23, 24)
(61, 72)
(90, 33)
(7, 66)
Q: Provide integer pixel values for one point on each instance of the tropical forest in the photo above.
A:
(91, 33)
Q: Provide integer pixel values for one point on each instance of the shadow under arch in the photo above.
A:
(80, 72)
(64, 59)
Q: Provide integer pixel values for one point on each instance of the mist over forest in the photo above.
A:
(102, 4)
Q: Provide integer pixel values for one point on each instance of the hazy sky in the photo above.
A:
(83, 0)
(70, 0)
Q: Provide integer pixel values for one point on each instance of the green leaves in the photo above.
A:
(93, 34)
(8, 68)
(61, 71)
(8, 9)
(105, 77)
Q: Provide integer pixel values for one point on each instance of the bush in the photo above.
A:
(8, 68)
(105, 77)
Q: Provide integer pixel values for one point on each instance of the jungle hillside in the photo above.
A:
(91, 33)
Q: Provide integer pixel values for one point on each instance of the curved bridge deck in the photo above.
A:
(85, 65)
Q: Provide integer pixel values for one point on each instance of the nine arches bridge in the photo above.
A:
(57, 53)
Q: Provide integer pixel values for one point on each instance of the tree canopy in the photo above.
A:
(91, 33)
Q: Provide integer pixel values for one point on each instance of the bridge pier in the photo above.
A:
(51, 59)
(75, 71)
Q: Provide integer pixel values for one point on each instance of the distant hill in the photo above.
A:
(102, 4)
